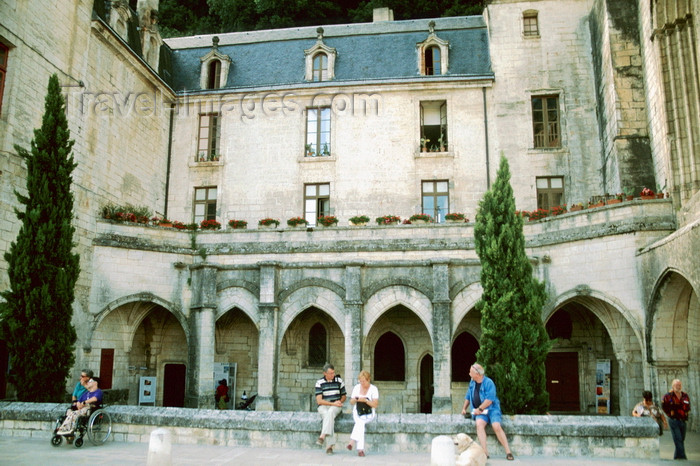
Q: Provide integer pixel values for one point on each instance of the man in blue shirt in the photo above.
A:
(330, 396)
(486, 408)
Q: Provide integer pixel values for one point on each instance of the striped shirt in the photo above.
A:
(330, 391)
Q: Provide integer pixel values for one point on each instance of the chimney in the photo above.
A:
(382, 14)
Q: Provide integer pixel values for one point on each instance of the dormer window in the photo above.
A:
(215, 66)
(530, 24)
(433, 54)
(320, 67)
(320, 60)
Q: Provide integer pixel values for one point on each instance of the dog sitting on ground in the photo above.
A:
(469, 452)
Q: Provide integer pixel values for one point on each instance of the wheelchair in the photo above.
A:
(97, 425)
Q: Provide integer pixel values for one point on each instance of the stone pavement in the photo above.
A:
(38, 451)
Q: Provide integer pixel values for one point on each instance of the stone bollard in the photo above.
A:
(160, 448)
(442, 451)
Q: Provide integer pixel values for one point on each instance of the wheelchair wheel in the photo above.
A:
(99, 427)
(56, 440)
(78, 442)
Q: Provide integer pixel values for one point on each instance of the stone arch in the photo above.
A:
(395, 295)
(464, 301)
(603, 329)
(301, 298)
(673, 332)
(242, 298)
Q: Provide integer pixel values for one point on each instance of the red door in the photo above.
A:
(174, 385)
(562, 382)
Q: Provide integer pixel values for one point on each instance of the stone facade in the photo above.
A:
(398, 301)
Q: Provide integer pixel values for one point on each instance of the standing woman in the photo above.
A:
(365, 399)
(676, 404)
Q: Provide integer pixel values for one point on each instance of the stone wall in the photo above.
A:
(593, 436)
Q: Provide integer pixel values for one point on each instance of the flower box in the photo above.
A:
(456, 217)
(420, 219)
(268, 223)
(359, 220)
(210, 225)
(576, 208)
(388, 220)
(297, 222)
(327, 221)
(238, 224)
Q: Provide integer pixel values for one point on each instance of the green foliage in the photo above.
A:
(36, 317)
(190, 17)
(514, 343)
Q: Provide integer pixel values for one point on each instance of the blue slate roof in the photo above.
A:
(382, 51)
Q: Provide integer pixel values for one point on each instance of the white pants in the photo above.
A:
(358, 430)
(328, 414)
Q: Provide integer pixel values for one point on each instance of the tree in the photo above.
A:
(36, 314)
(514, 342)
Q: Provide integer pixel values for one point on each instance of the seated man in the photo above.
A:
(330, 396)
(92, 398)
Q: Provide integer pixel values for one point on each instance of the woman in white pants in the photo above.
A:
(365, 399)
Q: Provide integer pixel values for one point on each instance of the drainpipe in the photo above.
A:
(486, 140)
(167, 167)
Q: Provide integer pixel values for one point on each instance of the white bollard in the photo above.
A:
(442, 451)
(160, 448)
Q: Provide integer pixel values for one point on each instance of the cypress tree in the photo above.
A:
(514, 342)
(36, 314)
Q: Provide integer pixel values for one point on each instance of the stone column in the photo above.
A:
(442, 338)
(353, 324)
(201, 351)
(268, 346)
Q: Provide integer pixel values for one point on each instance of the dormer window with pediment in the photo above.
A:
(320, 60)
(433, 54)
(215, 66)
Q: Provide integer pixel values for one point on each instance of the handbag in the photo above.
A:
(363, 408)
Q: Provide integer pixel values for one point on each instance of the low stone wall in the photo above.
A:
(595, 436)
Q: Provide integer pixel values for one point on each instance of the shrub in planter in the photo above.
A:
(296, 221)
(359, 219)
(420, 217)
(456, 217)
(237, 224)
(210, 225)
(388, 219)
(268, 222)
(327, 220)
(558, 210)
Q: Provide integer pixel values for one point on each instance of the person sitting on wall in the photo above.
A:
(330, 396)
(365, 399)
(646, 407)
(91, 399)
(487, 408)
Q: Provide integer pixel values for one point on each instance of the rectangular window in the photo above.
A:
(106, 368)
(530, 26)
(318, 132)
(550, 192)
(209, 133)
(436, 199)
(433, 126)
(204, 204)
(317, 201)
(4, 52)
(545, 121)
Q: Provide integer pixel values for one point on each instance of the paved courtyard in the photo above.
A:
(38, 451)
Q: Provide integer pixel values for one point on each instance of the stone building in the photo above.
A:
(584, 97)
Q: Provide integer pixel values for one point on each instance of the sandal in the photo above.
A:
(509, 457)
(319, 441)
(349, 446)
(329, 451)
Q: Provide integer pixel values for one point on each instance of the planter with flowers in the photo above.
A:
(192, 226)
(420, 219)
(647, 194)
(179, 225)
(210, 224)
(297, 222)
(616, 199)
(327, 220)
(576, 207)
(538, 214)
(162, 222)
(359, 220)
(388, 220)
(269, 223)
(456, 217)
(558, 210)
(238, 224)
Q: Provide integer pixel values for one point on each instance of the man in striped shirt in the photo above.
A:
(330, 396)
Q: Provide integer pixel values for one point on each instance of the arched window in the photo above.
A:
(389, 358)
(560, 325)
(318, 345)
(214, 75)
(432, 61)
(320, 67)
(464, 351)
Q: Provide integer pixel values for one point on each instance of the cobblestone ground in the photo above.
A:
(38, 451)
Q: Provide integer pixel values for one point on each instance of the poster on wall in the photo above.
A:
(147, 391)
(602, 386)
(226, 370)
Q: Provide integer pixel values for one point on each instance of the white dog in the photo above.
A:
(469, 452)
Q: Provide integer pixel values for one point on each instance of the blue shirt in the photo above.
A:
(487, 391)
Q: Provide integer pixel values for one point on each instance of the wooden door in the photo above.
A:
(174, 385)
(563, 382)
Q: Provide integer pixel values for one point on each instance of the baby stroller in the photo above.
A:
(97, 425)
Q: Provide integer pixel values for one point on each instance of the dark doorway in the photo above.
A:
(106, 368)
(426, 384)
(562, 382)
(464, 351)
(174, 385)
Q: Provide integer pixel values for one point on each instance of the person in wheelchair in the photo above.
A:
(90, 400)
